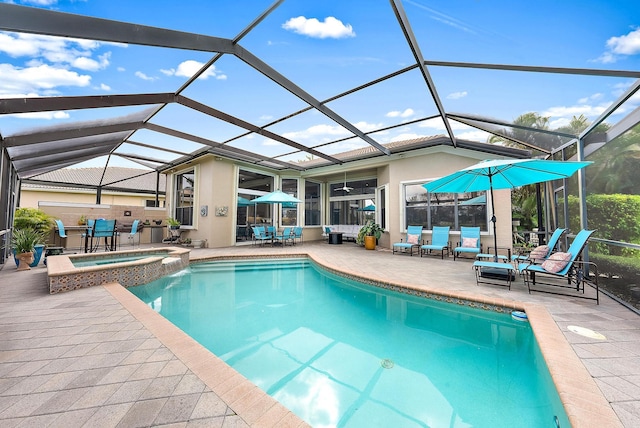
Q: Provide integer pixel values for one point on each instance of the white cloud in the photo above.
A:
(64, 51)
(457, 95)
(38, 79)
(327, 132)
(317, 130)
(577, 110)
(625, 45)
(105, 87)
(143, 76)
(330, 28)
(593, 97)
(474, 135)
(404, 114)
(628, 44)
(190, 67)
(407, 136)
(47, 115)
(40, 2)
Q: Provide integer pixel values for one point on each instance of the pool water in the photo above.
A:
(341, 353)
(105, 260)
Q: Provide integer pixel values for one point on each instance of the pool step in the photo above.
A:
(235, 266)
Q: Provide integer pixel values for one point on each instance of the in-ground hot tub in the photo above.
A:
(129, 268)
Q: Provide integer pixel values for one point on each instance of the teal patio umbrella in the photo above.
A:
(503, 174)
(367, 208)
(277, 197)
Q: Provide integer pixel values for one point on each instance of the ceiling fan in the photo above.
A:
(345, 188)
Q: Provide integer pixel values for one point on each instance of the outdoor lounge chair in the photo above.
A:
(412, 240)
(540, 253)
(563, 271)
(469, 241)
(439, 241)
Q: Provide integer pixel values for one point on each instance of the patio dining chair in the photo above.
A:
(439, 242)
(61, 233)
(297, 234)
(284, 237)
(133, 233)
(260, 235)
(411, 241)
(104, 229)
(469, 242)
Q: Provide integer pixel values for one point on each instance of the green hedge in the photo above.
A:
(615, 217)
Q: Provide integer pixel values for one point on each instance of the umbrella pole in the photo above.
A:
(493, 220)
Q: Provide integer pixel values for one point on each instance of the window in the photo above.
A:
(184, 198)
(347, 206)
(290, 210)
(444, 209)
(312, 207)
(151, 203)
(382, 206)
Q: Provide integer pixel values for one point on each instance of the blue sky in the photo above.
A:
(327, 47)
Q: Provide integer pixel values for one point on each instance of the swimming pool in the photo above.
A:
(339, 353)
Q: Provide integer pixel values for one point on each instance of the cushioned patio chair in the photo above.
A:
(564, 270)
(439, 242)
(541, 252)
(411, 241)
(469, 242)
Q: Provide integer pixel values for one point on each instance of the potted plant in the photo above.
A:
(38, 221)
(24, 242)
(369, 234)
(173, 223)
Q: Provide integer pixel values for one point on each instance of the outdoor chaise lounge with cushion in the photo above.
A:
(469, 241)
(563, 271)
(439, 241)
(541, 252)
(411, 241)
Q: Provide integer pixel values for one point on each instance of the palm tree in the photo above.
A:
(524, 130)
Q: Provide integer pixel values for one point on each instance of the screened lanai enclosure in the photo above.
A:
(298, 86)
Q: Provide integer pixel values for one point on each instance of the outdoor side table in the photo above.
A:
(335, 237)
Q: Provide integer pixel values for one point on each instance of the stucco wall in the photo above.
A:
(216, 184)
(430, 166)
(30, 198)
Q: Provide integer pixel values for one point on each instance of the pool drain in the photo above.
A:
(386, 363)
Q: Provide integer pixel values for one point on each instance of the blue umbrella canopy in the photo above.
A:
(367, 208)
(503, 174)
(244, 202)
(276, 197)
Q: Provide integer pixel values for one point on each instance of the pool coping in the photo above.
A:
(583, 401)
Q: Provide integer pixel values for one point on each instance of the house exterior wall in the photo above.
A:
(30, 198)
(430, 166)
(216, 186)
